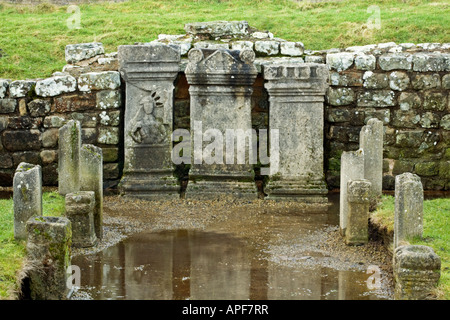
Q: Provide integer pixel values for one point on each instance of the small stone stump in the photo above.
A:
(417, 270)
(27, 197)
(48, 251)
(408, 216)
(358, 196)
(91, 179)
(352, 168)
(371, 141)
(80, 208)
(69, 142)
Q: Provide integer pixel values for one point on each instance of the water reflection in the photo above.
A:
(198, 265)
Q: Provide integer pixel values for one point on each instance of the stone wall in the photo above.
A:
(32, 111)
(406, 86)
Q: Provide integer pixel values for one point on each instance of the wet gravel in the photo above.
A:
(286, 233)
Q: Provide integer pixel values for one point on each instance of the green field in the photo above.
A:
(436, 233)
(33, 38)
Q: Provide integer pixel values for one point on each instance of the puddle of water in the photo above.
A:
(198, 265)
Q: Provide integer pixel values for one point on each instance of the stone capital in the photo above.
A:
(155, 61)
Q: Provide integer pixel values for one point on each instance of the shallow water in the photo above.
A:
(216, 264)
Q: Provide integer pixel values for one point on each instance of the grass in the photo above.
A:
(12, 252)
(33, 38)
(436, 233)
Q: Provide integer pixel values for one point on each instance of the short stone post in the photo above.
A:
(358, 197)
(149, 72)
(80, 211)
(417, 270)
(27, 197)
(297, 93)
(49, 253)
(408, 220)
(352, 168)
(69, 142)
(371, 141)
(221, 86)
(91, 179)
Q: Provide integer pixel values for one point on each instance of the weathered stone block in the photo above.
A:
(8, 105)
(55, 121)
(20, 88)
(383, 115)
(74, 102)
(411, 138)
(417, 271)
(352, 168)
(292, 48)
(444, 169)
(82, 51)
(375, 80)
(405, 119)
(80, 211)
(425, 81)
(408, 222)
(107, 80)
(429, 168)
(25, 156)
(395, 61)
(89, 135)
(111, 118)
(242, 45)
(409, 100)
(371, 141)
(365, 61)
(436, 101)
(108, 99)
(50, 138)
(268, 47)
(428, 62)
(4, 84)
(347, 79)
(91, 179)
(379, 98)
(69, 142)
(445, 122)
(216, 29)
(27, 197)
(358, 198)
(110, 154)
(48, 250)
(398, 80)
(314, 59)
(340, 61)
(445, 82)
(211, 45)
(54, 86)
(338, 115)
(39, 107)
(340, 96)
(429, 120)
(21, 140)
(108, 135)
(48, 156)
(111, 171)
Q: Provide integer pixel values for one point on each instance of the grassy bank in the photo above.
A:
(436, 233)
(33, 38)
(12, 252)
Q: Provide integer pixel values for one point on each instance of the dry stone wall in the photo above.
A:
(406, 86)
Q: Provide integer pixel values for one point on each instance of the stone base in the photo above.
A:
(292, 190)
(216, 189)
(85, 243)
(150, 186)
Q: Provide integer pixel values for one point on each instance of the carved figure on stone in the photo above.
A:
(147, 128)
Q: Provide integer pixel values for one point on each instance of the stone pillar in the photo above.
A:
(91, 179)
(149, 72)
(80, 211)
(69, 142)
(408, 221)
(48, 251)
(220, 90)
(27, 197)
(371, 141)
(358, 197)
(417, 270)
(297, 94)
(352, 168)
